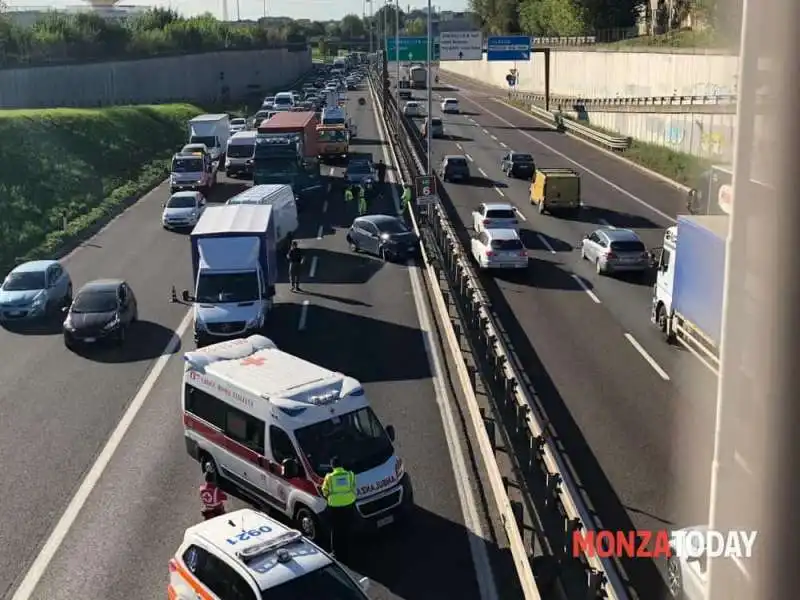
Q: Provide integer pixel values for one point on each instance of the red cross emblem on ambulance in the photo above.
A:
(253, 361)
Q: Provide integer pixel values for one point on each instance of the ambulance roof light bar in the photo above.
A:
(228, 350)
(258, 550)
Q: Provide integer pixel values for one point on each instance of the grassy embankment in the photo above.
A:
(684, 168)
(66, 172)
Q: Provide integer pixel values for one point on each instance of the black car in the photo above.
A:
(518, 164)
(101, 310)
(454, 168)
(383, 235)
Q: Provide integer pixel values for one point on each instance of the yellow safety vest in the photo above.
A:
(406, 196)
(348, 195)
(339, 487)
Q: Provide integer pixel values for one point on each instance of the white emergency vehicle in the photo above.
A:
(247, 555)
(269, 423)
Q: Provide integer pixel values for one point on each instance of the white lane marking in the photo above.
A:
(312, 272)
(482, 172)
(494, 137)
(651, 361)
(469, 158)
(520, 216)
(459, 146)
(608, 182)
(485, 131)
(331, 171)
(499, 191)
(325, 207)
(546, 244)
(68, 518)
(319, 233)
(504, 145)
(465, 485)
(586, 289)
(301, 324)
(605, 223)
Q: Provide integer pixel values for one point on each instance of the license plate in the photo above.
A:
(15, 313)
(385, 521)
(89, 340)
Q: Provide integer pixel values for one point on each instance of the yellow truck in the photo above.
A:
(333, 141)
(556, 190)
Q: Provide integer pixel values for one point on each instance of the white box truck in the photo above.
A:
(213, 131)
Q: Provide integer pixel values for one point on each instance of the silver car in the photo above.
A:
(499, 249)
(34, 290)
(615, 250)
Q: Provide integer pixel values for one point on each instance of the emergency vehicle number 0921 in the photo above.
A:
(248, 535)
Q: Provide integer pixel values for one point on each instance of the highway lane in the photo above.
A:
(356, 315)
(634, 436)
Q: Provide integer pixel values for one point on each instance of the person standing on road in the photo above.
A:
(362, 200)
(296, 258)
(348, 195)
(406, 198)
(212, 497)
(339, 490)
(381, 168)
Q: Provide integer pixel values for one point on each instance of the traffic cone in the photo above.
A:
(174, 296)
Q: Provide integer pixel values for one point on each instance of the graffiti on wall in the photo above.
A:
(706, 88)
(695, 137)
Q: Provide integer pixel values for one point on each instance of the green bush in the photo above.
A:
(79, 167)
(706, 39)
(58, 37)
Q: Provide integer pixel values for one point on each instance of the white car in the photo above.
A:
(450, 105)
(238, 125)
(246, 554)
(182, 210)
(495, 215)
(499, 249)
(412, 109)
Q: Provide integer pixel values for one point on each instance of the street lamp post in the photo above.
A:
(430, 89)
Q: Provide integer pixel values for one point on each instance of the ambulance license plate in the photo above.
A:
(385, 521)
(88, 340)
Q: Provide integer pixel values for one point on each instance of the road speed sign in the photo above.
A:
(426, 190)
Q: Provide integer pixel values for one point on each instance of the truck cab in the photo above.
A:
(192, 171)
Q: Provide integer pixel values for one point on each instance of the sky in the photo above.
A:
(320, 10)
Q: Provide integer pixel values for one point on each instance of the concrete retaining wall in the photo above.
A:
(196, 78)
(600, 74)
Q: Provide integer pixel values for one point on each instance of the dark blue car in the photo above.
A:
(383, 235)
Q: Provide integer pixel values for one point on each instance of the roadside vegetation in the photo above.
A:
(70, 171)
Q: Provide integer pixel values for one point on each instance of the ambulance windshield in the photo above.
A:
(357, 440)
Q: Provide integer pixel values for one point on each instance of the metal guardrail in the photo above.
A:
(528, 426)
(641, 101)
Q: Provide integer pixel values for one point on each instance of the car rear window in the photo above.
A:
(507, 245)
(522, 158)
(500, 214)
(436, 121)
(456, 162)
(631, 246)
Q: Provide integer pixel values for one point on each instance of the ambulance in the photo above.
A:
(269, 423)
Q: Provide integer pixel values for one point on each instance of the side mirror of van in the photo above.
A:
(187, 297)
(391, 432)
(290, 468)
(363, 583)
(65, 309)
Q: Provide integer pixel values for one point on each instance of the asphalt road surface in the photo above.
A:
(635, 415)
(59, 408)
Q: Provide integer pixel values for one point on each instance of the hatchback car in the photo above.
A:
(450, 106)
(499, 249)
(518, 164)
(495, 215)
(102, 310)
(383, 235)
(412, 109)
(238, 124)
(182, 210)
(437, 127)
(33, 290)
(454, 168)
(615, 250)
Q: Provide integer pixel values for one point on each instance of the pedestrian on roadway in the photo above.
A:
(212, 497)
(362, 200)
(296, 258)
(339, 489)
(381, 169)
(348, 195)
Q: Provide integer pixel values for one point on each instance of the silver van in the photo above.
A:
(239, 155)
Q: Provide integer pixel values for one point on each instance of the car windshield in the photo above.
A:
(332, 135)
(187, 165)
(181, 202)
(359, 168)
(207, 141)
(507, 245)
(355, 439)
(215, 288)
(95, 301)
(330, 582)
(522, 158)
(392, 226)
(451, 101)
(241, 150)
(24, 281)
(456, 162)
(276, 166)
(498, 213)
(436, 122)
(326, 120)
(628, 246)
(283, 101)
(238, 122)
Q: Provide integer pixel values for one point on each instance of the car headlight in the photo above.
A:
(254, 322)
(68, 323)
(385, 237)
(114, 323)
(39, 301)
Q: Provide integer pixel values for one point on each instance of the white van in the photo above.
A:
(284, 207)
(269, 423)
(283, 101)
(239, 154)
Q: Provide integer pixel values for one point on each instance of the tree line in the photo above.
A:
(58, 37)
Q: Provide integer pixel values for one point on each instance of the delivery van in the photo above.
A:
(268, 424)
(556, 191)
(280, 197)
(239, 154)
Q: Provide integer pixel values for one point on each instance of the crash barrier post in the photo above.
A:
(550, 485)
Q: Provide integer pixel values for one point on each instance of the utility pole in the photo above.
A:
(430, 89)
(397, 61)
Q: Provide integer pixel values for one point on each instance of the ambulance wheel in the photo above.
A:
(206, 462)
(308, 524)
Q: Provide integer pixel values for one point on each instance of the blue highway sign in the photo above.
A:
(508, 47)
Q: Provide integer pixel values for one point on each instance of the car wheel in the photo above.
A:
(68, 296)
(541, 207)
(674, 578)
(308, 524)
(69, 345)
(207, 463)
(598, 267)
(135, 317)
(384, 254)
(583, 252)
(352, 244)
(122, 335)
(663, 324)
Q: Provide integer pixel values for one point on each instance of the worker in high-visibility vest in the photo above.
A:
(348, 195)
(339, 489)
(405, 199)
(362, 200)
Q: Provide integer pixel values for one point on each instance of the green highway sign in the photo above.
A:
(412, 49)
